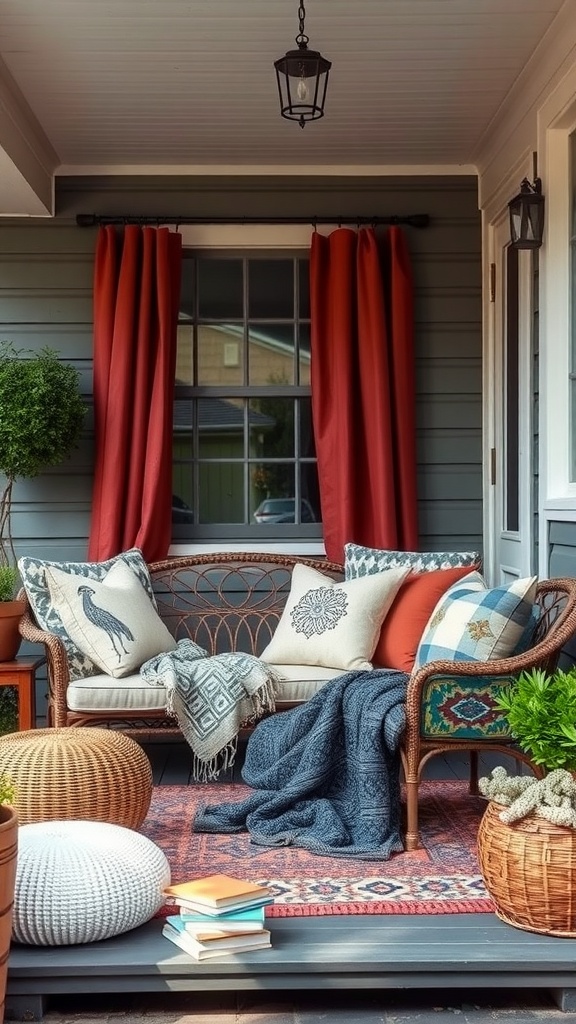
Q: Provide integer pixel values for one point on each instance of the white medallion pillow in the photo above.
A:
(335, 625)
(113, 621)
(472, 622)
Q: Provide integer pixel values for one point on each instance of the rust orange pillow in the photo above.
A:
(413, 605)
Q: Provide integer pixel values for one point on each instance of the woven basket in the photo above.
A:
(529, 869)
(88, 773)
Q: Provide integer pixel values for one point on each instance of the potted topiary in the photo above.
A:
(41, 416)
(527, 836)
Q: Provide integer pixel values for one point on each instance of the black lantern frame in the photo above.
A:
(527, 216)
(302, 79)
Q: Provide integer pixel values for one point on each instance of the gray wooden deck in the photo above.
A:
(427, 954)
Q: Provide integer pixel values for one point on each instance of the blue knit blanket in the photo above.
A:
(326, 775)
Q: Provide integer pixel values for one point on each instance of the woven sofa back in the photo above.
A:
(227, 602)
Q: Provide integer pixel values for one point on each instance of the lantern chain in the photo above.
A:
(302, 39)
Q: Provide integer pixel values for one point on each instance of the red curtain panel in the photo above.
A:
(363, 388)
(136, 299)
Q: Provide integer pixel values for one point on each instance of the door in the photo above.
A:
(512, 400)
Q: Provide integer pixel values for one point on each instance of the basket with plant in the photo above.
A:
(527, 836)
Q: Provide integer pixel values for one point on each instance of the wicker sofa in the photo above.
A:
(234, 601)
(223, 602)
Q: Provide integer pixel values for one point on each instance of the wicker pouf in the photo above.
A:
(529, 869)
(94, 774)
(82, 881)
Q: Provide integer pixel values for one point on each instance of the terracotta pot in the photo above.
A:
(10, 614)
(8, 857)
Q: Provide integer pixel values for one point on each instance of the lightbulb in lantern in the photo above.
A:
(302, 89)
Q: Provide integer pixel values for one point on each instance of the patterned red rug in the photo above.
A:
(441, 878)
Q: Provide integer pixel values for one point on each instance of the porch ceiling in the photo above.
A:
(159, 86)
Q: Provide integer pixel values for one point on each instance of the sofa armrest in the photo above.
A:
(56, 660)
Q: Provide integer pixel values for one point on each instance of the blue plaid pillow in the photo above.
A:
(473, 623)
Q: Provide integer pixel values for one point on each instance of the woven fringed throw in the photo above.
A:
(212, 698)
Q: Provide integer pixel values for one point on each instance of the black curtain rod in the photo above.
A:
(90, 220)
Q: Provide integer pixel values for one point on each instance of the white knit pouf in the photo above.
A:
(81, 881)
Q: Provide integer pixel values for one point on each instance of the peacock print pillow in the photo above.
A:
(33, 576)
(113, 621)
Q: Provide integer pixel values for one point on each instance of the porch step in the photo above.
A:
(349, 952)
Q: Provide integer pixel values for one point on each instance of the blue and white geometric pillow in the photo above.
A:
(33, 575)
(363, 561)
(474, 623)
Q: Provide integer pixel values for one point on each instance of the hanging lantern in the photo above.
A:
(527, 216)
(302, 77)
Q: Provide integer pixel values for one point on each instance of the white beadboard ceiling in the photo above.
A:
(105, 86)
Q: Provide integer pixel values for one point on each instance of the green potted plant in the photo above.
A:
(541, 711)
(527, 836)
(41, 416)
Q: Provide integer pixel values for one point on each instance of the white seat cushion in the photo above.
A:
(105, 693)
(300, 682)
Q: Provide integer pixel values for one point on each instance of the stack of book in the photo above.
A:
(217, 915)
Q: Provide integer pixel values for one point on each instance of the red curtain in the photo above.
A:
(363, 389)
(136, 299)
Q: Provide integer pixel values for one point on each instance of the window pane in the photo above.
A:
(272, 493)
(304, 289)
(304, 354)
(511, 427)
(220, 289)
(310, 493)
(184, 354)
(271, 289)
(221, 428)
(221, 486)
(220, 354)
(188, 288)
(271, 353)
(271, 422)
(307, 449)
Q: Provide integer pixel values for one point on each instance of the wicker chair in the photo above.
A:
(450, 705)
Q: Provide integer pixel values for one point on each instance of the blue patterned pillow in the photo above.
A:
(33, 575)
(473, 623)
(362, 561)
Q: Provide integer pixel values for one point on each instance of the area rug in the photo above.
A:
(440, 878)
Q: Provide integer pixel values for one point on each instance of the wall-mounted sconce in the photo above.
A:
(527, 215)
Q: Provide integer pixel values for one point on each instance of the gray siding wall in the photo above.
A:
(46, 269)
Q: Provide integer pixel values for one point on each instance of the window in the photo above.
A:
(244, 457)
